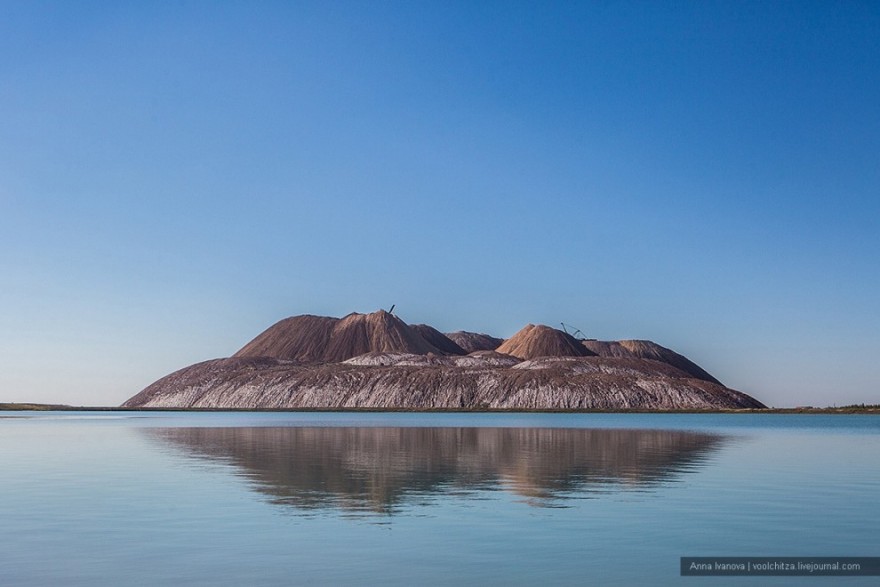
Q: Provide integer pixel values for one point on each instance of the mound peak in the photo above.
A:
(321, 339)
(439, 340)
(380, 331)
(299, 338)
(542, 341)
(474, 341)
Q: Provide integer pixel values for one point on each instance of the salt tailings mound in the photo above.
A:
(301, 338)
(563, 383)
(377, 361)
(474, 341)
(318, 339)
(542, 341)
(380, 331)
(645, 349)
(438, 339)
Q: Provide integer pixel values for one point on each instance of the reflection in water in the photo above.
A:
(381, 469)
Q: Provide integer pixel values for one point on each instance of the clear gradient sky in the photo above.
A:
(177, 176)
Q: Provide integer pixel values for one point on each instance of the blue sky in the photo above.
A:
(177, 176)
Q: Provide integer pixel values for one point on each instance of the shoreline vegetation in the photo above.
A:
(849, 409)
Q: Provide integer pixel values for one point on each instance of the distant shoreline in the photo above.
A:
(873, 409)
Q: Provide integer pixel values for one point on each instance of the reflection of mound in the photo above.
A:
(377, 469)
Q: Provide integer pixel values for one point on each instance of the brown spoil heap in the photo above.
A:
(316, 339)
(438, 339)
(474, 341)
(645, 349)
(303, 362)
(542, 341)
(380, 331)
(300, 338)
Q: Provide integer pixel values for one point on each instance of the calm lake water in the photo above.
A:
(428, 499)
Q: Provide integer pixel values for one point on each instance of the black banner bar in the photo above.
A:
(780, 566)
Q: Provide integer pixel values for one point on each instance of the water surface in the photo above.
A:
(371, 498)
